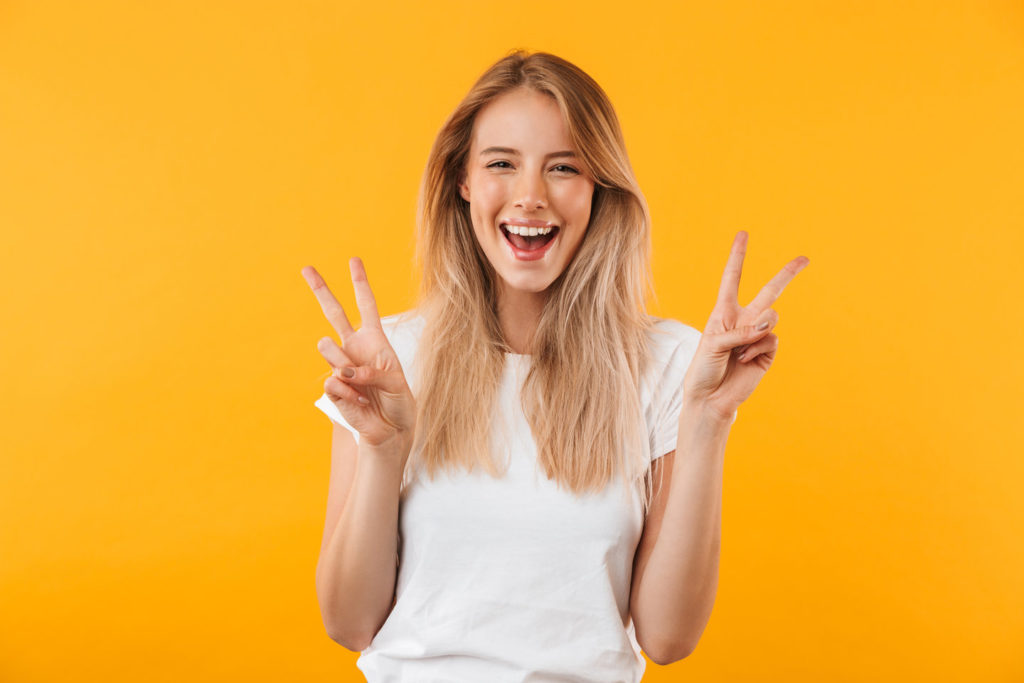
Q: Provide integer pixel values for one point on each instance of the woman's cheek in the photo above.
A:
(576, 198)
(492, 191)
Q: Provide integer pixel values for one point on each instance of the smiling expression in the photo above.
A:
(523, 172)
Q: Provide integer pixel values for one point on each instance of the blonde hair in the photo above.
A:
(581, 395)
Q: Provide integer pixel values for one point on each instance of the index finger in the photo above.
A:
(364, 295)
(771, 291)
(729, 290)
(333, 311)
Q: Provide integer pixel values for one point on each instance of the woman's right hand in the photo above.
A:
(376, 399)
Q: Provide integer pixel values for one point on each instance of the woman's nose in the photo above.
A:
(531, 192)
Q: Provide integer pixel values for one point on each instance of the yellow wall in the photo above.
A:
(167, 169)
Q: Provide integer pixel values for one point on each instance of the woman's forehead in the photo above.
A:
(523, 120)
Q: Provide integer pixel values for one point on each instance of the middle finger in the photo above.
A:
(771, 291)
(333, 311)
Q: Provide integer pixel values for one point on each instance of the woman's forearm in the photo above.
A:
(681, 577)
(356, 575)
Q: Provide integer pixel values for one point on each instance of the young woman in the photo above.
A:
(504, 503)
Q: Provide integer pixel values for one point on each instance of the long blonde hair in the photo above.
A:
(581, 395)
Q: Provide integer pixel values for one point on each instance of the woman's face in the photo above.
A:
(523, 175)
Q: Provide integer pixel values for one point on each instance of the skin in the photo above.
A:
(367, 383)
(735, 351)
(675, 571)
(531, 183)
(676, 563)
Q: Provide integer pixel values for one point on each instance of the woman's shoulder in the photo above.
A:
(669, 336)
(403, 331)
(408, 322)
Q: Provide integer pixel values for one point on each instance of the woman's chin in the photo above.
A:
(526, 285)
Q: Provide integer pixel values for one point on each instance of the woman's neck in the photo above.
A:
(519, 314)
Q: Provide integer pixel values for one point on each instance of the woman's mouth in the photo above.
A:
(526, 246)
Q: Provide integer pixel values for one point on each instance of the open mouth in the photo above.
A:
(528, 242)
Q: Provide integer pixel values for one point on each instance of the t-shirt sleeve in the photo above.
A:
(325, 404)
(668, 396)
(670, 402)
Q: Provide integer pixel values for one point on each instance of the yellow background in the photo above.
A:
(166, 170)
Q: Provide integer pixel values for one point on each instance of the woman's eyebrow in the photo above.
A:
(509, 150)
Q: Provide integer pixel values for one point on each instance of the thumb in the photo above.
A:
(729, 340)
(365, 375)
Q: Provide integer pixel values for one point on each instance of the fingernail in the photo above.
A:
(362, 399)
(763, 325)
(348, 372)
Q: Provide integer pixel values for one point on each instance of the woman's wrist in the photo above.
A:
(708, 413)
(396, 448)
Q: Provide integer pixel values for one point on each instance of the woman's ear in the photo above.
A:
(463, 187)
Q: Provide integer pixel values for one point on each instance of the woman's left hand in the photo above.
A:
(734, 353)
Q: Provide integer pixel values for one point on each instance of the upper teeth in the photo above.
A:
(525, 231)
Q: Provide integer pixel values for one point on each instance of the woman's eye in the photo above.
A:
(561, 168)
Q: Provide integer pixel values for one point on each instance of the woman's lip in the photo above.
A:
(527, 223)
(523, 255)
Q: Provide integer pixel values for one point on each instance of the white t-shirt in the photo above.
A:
(512, 580)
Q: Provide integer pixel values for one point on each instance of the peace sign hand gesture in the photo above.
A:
(737, 346)
(368, 385)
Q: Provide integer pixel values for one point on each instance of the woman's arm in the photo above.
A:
(675, 575)
(357, 569)
(674, 589)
